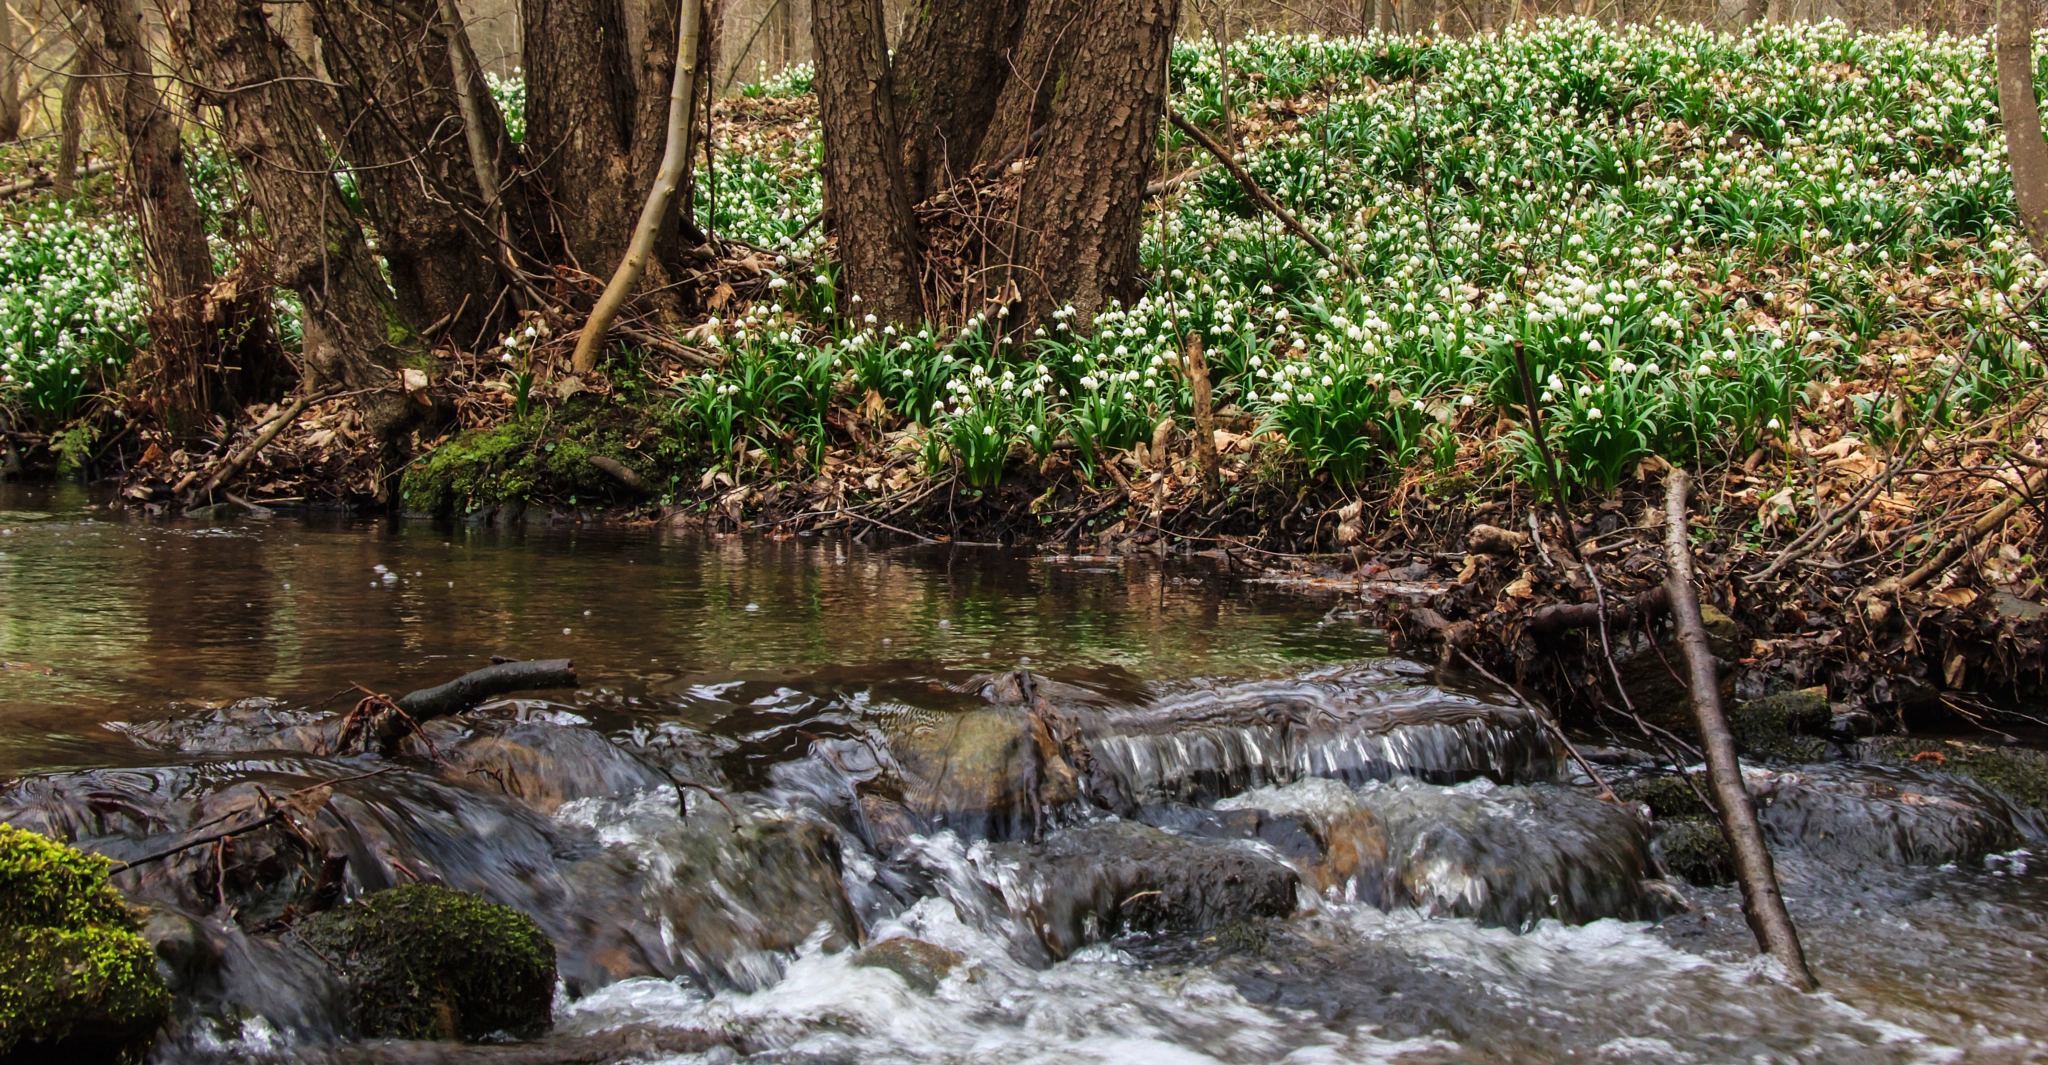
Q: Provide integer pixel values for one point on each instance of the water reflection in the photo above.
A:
(132, 615)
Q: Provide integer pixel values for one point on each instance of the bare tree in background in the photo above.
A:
(2020, 112)
(1072, 90)
(208, 349)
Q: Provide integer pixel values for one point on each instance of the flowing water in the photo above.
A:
(819, 801)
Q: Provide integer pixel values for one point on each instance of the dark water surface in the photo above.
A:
(1453, 897)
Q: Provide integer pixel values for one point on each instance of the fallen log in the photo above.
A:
(466, 691)
(1564, 617)
(1762, 903)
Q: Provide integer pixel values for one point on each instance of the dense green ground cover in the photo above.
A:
(1699, 238)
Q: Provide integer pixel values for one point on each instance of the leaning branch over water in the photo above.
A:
(1762, 903)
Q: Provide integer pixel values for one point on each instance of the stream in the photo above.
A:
(1105, 811)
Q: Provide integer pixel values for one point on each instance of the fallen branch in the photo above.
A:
(1564, 617)
(1166, 185)
(233, 466)
(467, 690)
(1990, 522)
(1762, 903)
(43, 181)
(1251, 187)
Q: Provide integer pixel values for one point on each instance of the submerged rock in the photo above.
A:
(544, 764)
(1514, 856)
(76, 983)
(922, 965)
(1100, 881)
(424, 962)
(1696, 850)
(1205, 740)
(1868, 814)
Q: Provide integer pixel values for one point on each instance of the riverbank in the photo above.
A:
(1547, 265)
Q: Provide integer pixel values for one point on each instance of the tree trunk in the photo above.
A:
(2020, 112)
(1755, 11)
(404, 137)
(659, 212)
(272, 121)
(71, 121)
(867, 194)
(1036, 65)
(581, 106)
(1083, 202)
(202, 355)
(948, 76)
(1386, 17)
(10, 80)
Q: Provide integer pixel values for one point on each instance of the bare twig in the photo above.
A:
(1251, 187)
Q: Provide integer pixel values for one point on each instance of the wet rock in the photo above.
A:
(1869, 815)
(1100, 881)
(1695, 849)
(424, 962)
(921, 965)
(1204, 740)
(1785, 727)
(2020, 774)
(545, 765)
(76, 983)
(1514, 856)
(721, 902)
(1326, 832)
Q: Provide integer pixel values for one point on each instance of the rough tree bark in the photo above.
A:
(403, 132)
(2020, 112)
(867, 193)
(659, 211)
(949, 74)
(581, 106)
(272, 121)
(10, 80)
(1035, 65)
(71, 120)
(1083, 202)
(203, 354)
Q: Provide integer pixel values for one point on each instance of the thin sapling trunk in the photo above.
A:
(674, 161)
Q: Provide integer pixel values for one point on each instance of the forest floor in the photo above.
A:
(1786, 262)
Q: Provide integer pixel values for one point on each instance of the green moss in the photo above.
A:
(76, 982)
(540, 458)
(45, 884)
(1668, 797)
(1696, 850)
(2019, 773)
(1784, 727)
(425, 962)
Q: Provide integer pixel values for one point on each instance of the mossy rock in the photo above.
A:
(425, 962)
(76, 983)
(2018, 773)
(1695, 849)
(1786, 727)
(541, 457)
(1668, 797)
(922, 965)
